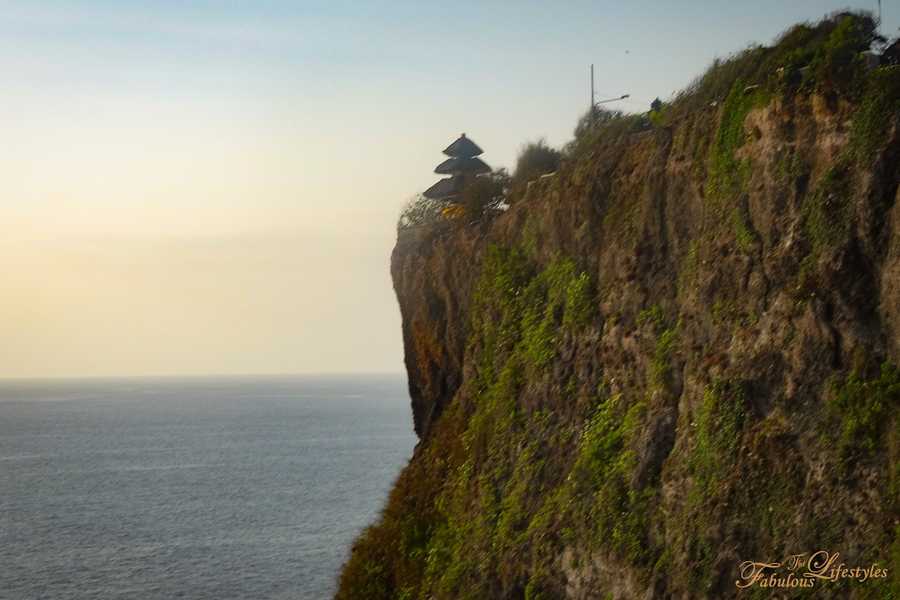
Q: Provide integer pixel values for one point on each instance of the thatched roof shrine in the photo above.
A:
(462, 166)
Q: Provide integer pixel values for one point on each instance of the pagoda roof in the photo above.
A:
(463, 147)
(456, 164)
(445, 189)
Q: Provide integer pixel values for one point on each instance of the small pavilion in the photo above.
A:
(462, 166)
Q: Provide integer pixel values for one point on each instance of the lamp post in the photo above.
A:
(594, 103)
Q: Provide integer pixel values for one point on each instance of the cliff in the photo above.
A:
(676, 355)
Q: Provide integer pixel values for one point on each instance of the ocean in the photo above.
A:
(192, 488)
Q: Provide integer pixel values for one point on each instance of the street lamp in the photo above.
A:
(622, 97)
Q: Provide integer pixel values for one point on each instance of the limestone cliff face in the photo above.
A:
(678, 354)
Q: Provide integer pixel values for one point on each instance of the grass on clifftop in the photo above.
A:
(822, 58)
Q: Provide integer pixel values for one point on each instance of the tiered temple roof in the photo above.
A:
(462, 165)
(458, 164)
(463, 147)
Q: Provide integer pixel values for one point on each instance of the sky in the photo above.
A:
(211, 187)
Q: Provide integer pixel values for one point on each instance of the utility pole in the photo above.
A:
(593, 104)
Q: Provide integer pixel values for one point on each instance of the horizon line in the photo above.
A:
(273, 375)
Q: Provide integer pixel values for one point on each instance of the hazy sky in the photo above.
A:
(211, 186)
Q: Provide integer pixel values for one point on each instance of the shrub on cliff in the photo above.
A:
(593, 120)
(603, 126)
(485, 194)
(657, 114)
(535, 159)
(419, 211)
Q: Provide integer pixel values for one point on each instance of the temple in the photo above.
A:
(462, 166)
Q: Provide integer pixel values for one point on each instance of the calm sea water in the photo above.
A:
(192, 488)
